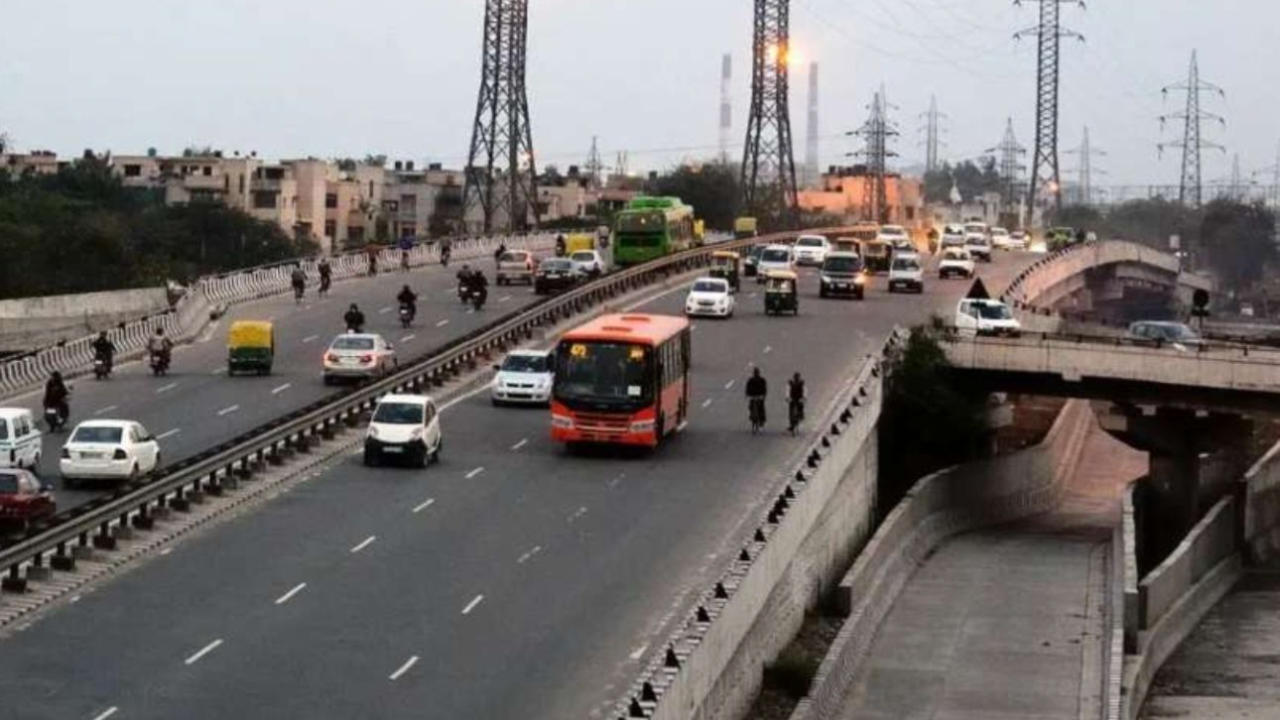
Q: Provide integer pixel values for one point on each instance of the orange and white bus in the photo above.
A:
(622, 379)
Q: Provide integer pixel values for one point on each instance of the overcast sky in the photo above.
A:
(326, 78)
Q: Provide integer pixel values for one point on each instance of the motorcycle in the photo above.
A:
(101, 368)
(406, 315)
(159, 363)
(755, 407)
(795, 414)
(54, 419)
(478, 297)
(464, 293)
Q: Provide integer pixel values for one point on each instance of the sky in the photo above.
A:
(291, 78)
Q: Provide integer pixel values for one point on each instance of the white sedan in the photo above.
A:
(956, 261)
(108, 450)
(358, 355)
(710, 296)
(588, 263)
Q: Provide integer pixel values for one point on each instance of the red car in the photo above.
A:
(24, 498)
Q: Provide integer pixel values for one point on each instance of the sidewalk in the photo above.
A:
(1006, 622)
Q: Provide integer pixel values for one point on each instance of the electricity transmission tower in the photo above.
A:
(500, 176)
(1008, 158)
(876, 132)
(1190, 188)
(1045, 183)
(768, 166)
(932, 129)
(595, 166)
(1086, 152)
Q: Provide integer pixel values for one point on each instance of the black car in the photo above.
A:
(751, 260)
(554, 275)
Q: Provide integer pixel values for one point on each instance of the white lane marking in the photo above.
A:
(105, 410)
(228, 410)
(465, 396)
(472, 605)
(166, 388)
(729, 385)
(706, 403)
(768, 349)
(310, 338)
(752, 295)
(578, 513)
(385, 310)
(285, 597)
(504, 298)
(166, 551)
(106, 713)
(168, 433)
(520, 444)
(475, 472)
(638, 652)
(442, 323)
(282, 388)
(404, 668)
(614, 482)
(204, 651)
(425, 504)
(74, 599)
(528, 555)
(364, 544)
(471, 311)
(218, 371)
(407, 338)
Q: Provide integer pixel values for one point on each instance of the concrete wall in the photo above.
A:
(956, 500)
(30, 323)
(1262, 509)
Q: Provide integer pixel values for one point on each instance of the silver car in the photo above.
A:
(358, 355)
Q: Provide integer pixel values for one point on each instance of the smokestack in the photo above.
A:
(726, 110)
(811, 132)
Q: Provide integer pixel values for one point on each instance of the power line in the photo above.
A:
(1190, 189)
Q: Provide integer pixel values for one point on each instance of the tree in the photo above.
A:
(711, 188)
(1237, 242)
(1078, 216)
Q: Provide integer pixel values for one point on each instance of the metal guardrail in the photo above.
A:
(134, 505)
(1206, 345)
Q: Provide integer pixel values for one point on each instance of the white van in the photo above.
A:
(775, 257)
(20, 440)
(986, 317)
(404, 426)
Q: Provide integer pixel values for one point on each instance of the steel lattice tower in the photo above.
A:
(1049, 32)
(1008, 153)
(768, 165)
(876, 132)
(1085, 171)
(932, 131)
(1190, 188)
(595, 166)
(501, 177)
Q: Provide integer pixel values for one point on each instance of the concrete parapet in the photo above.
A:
(40, 321)
(1261, 531)
(1209, 542)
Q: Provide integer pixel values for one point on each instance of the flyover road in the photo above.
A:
(509, 581)
(196, 406)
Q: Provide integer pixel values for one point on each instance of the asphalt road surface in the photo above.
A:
(512, 580)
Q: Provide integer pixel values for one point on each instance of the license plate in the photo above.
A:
(350, 361)
(392, 449)
(92, 455)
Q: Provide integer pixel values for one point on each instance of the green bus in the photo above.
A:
(651, 227)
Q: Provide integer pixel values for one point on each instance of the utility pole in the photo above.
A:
(932, 129)
(1086, 152)
(876, 132)
(1046, 185)
(726, 106)
(811, 131)
(620, 164)
(595, 167)
(768, 165)
(1008, 157)
(501, 177)
(1189, 190)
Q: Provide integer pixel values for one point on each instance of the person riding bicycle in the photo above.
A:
(795, 400)
(757, 390)
(408, 298)
(354, 318)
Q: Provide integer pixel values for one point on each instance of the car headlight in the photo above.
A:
(416, 434)
(564, 422)
(824, 278)
(860, 279)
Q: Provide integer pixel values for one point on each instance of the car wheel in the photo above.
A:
(155, 469)
(370, 458)
(435, 453)
(327, 380)
(421, 459)
(133, 474)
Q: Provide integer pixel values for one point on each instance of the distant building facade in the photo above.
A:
(843, 192)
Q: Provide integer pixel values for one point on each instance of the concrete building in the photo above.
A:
(843, 192)
(38, 162)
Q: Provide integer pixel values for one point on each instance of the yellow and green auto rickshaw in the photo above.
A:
(251, 345)
(780, 292)
(727, 265)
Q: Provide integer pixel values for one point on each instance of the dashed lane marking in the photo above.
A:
(442, 323)
(310, 339)
(706, 403)
(424, 505)
(166, 388)
(168, 433)
(384, 310)
(282, 388)
(105, 410)
(578, 513)
(475, 472)
(228, 410)
(106, 713)
(504, 298)
(363, 544)
(520, 444)
(204, 651)
(472, 605)
(407, 338)
(729, 385)
(285, 597)
(768, 349)
(638, 652)
(528, 555)
(404, 668)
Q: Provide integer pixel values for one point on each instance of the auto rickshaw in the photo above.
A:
(726, 264)
(251, 345)
(780, 293)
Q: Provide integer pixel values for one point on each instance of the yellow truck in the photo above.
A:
(745, 227)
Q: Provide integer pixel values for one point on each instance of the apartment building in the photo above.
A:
(844, 191)
(38, 162)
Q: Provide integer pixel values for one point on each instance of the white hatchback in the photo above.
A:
(588, 263)
(108, 450)
(358, 355)
(774, 257)
(710, 296)
(955, 261)
(811, 249)
(404, 426)
(525, 376)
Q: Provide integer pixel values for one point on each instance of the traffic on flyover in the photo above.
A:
(507, 579)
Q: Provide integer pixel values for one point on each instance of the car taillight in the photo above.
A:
(66, 454)
(119, 454)
(366, 359)
(331, 358)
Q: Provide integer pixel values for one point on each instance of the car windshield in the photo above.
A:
(809, 242)
(584, 256)
(1171, 331)
(347, 342)
(609, 373)
(514, 257)
(954, 256)
(905, 264)
(775, 255)
(994, 311)
(8, 483)
(4, 429)
(525, 364)
(555, 265)
(398, 413)
(892, 231)
(709, 286)
(1000, 231)
(980, 229)
(97, 434)
(842, 264)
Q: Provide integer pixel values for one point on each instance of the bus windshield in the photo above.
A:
(641, 222)
(610, 374)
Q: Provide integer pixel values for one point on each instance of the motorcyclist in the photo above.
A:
(757, 389)
(104, 350)
(406, 244)
(160, 346)
(56, 394)
(408, 298)
(480, 286)
(795, 400)
(464, 281)
(372, 254)
(299, 281)
(354, 318)
(497, 254)
(446, 250)
(560, 246)
(326, 275)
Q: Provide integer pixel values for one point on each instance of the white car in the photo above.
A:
(404, 426)
(358, 355)
(710, 296)
(986, 317)
(952, 236)
(774, 257)
(811, 249)
(956, 261)
(978, 246)
(974, 227)
(1018, 240)
(896, 236)
(1000, 238)
(515, 266)
(20, 439)
(108, 450)
(588, 263)
(525, 376)
(906, 273)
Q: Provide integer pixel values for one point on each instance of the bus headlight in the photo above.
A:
(861, 279)
(642, 426)
(564, 422)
